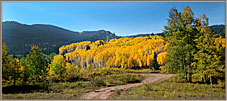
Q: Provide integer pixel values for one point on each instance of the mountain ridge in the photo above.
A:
(19, 37)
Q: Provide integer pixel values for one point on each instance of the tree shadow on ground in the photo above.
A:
(23, 89)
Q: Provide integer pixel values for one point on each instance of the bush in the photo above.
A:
(90, 74)
(138, 71)
(57, 68)
(98, 81)
(118, 91)
(60, 70)
(120, 79)
(221, 84)
(179, 79)
(73, 73)
(147, 87)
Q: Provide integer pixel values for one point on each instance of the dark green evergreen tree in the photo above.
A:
(155, 62)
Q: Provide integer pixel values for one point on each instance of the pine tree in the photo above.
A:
(154, 63)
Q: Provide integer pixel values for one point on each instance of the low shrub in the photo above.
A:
(118, 91)
(221, 84)
(98, 81)
(90, 74)
(147, 87)
(138, 70)
(179, 79)
(120, 79)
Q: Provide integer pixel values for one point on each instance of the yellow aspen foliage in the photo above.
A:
(162, 58)
(124, 52)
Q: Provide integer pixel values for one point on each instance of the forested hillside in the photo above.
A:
(218, 29)
(19, 37)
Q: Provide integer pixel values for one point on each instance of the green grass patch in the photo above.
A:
(64, 90)
(90, 80)
(173, 89)
(120, 79)
(138, 71)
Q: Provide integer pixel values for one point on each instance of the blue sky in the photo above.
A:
(123, 18)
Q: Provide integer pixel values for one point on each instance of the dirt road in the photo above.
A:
(105, 93)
